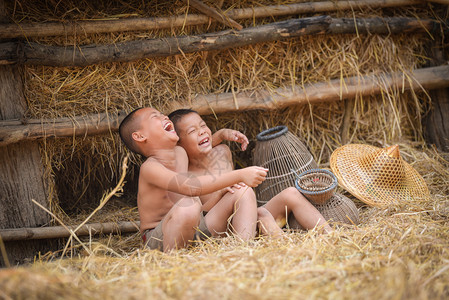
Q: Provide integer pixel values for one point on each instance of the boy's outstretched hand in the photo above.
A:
(230, 135)
(253, 176)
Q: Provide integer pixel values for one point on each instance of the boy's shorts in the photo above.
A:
(153, 238)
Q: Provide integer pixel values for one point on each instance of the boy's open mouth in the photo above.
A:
(204, 141)
(169, 127)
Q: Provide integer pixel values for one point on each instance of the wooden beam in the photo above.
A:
(12, 131)
(429, 78)
(214, 14)
(67, 28)
(439, 1)
(38, 54)
(53, 232)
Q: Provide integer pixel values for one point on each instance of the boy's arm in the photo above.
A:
(182, 166)
(229, 135)
(188, 184)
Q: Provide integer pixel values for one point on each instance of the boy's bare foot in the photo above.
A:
(267, 223)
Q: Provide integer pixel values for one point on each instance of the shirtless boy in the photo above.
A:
(207, 157)
(168, 219)
(194, 137)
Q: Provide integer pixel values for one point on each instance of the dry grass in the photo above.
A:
(396, 253)
(400, 253)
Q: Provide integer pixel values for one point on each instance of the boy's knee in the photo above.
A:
(263, 213)
(292, 191)
(291, 195)
(187, 212)
(246, 195)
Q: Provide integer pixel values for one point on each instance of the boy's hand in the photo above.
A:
(253, 176)
(230, 189)
(231, 135)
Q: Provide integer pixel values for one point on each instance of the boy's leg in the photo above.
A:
(241, 206)
(267, 223)
(291, 200)
(179, 224)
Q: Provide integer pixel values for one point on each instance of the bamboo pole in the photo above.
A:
(31, 30)
(38, 54)
(12, 131)
(428, 78)
(53, 232)
(214, 14)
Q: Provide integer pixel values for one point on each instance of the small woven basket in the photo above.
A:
(317, 185)
(339, 209)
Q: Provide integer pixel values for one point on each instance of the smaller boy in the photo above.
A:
(169, 210)
(195, 138)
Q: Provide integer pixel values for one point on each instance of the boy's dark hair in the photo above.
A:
(126, 129)
(177, 115)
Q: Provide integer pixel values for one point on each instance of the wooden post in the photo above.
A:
(436, 122)
(21, 171)
(346, 124)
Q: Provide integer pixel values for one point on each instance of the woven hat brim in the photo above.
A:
(357, 181)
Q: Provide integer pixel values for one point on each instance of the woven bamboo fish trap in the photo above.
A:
(339, 209)
(285, 156)
(317, 185)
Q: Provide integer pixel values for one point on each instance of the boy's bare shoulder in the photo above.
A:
(222, 149)
(150, 161)
(180, 151)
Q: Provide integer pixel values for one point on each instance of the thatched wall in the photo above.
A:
(84, 168)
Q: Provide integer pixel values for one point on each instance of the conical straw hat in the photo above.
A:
(377, 176)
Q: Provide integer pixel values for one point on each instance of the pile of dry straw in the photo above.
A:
(399, 252)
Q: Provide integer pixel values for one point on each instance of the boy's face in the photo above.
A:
(155, 127)
(194, 135)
